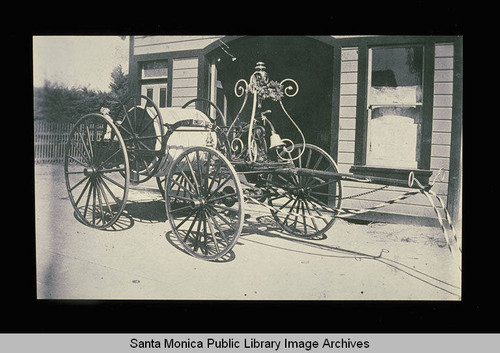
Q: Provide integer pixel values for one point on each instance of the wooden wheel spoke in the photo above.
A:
(93, 202)
(221, 231)
(304, 218)
(319, 213)
(215, 213)
(78, 183)
(91, 150)
(98, 192)
(183, 188)
(198, 168)
(77, 161)
(286, 203)
(286, 181)
(109, 158)
(323, 205)
(125, 130)
(187, 180)
(225, 196)
(197, 236)
(88, 200)
(291, 208)
(218, 187)
(83, 191)
(87, 154)
(108, 189)
(318, 161)
(192, 225)
(185, 218)
(215, 174)
(296, 214)
(214, 237)
(196, 184)
(127, 118)
(313, 221)
(77, 148)
(309, 154)
(180, 197)
(101, 189)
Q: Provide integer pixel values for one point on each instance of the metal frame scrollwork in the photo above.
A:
(259, 88)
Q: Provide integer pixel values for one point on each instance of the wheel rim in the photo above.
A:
(204, 202)
(95, 165)
(306, 204)
(141, 126)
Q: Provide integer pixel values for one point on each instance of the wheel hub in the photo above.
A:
(89, 171)
(199, 202)
(301, 192)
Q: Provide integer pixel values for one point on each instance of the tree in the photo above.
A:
(56, 102)
(119, 83)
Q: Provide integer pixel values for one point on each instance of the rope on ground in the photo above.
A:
(427, 192)
(443, 229)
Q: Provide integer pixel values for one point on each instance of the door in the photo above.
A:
(154, 81)
(157, 92)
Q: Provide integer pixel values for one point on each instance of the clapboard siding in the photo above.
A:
(442, 114)
(161, 44)
(184, 80)
(347, 108)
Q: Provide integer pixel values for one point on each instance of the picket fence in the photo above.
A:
(50, 141)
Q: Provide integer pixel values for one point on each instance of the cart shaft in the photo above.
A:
(350, 177)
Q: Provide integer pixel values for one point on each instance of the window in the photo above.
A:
(394, 103)
(155, 69)
(154, 81)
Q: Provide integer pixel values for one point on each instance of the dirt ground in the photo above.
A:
(375, 261)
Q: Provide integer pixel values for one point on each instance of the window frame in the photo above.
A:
(370, 106)
(142, 70)
(361, 137)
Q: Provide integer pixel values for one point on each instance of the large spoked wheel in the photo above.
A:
(204, 202)
(141, 126)
(97, 171)
(306, 204)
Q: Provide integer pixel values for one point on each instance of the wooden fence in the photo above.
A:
(50, 140)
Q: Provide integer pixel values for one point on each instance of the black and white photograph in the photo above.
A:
(248, 167)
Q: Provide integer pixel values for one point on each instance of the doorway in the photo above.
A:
(306, 60)
(156, 92)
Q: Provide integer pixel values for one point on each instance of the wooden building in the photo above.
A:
(381, 105)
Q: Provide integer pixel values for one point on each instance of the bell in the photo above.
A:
(275, 141)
